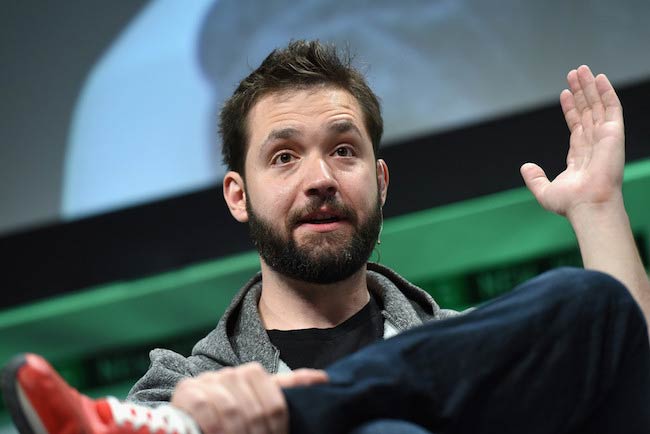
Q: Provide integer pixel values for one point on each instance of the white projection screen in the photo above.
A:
(141, 124)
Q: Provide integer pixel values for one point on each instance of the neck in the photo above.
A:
(289, 304)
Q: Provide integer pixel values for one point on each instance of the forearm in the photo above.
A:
(607, 244)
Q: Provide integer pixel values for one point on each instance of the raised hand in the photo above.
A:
(588, 192)
(594, 172)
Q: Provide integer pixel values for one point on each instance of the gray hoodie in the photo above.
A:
(240, 336)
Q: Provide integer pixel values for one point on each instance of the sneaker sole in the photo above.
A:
(14, 397)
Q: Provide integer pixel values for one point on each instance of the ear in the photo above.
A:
(235, 196)
(382, 179)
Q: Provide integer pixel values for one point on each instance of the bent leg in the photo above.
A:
(541, 359)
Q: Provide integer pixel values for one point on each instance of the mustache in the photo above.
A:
(333, 204)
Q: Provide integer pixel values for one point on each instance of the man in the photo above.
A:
(300, 137)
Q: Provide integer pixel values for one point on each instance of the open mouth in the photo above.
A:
(321, 221)
(321, 218)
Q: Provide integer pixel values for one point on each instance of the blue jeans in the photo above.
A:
(389, 426)
(566, 352)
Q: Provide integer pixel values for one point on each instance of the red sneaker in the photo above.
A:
(41, 402)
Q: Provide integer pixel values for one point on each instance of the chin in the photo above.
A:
(322, 239)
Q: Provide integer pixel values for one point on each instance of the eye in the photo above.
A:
(283, 158)
(343, 151)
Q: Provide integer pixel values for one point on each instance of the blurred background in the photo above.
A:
(113, 232)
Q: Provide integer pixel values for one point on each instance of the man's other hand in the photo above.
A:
(241, 400)
(596, 156)
(589, 192)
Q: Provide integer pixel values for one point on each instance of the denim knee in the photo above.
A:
(571, 282)
(592, 291)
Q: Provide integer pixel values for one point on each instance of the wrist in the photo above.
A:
(599, 221)
(584, 212)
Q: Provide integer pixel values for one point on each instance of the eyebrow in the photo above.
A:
(342, 127)
(280, 134)
(338, 127)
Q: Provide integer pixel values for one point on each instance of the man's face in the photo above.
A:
(313, 188)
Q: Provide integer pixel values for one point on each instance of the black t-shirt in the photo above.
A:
(318, 348)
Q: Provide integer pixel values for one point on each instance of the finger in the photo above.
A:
(571, 114)
(228, 408)
(261, 402)
(535, 180)
(301, 377)
(613, 108)
(576, 90)
(249, 401)
(588, 85)
(272, 401)
(197, 401)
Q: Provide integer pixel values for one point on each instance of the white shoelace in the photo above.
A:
(168, 418)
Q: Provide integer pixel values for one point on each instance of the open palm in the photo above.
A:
(596, 156)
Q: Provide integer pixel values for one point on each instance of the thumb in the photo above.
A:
(300, 377)
(535, 179)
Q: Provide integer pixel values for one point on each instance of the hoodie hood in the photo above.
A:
(240, 336)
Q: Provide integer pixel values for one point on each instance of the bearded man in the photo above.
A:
(565, 352)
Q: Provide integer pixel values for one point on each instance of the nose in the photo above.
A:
(319, 179)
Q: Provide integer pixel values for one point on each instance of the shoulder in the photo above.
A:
(167, 368)
(211, 353)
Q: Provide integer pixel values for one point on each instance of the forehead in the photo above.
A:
(310, 108)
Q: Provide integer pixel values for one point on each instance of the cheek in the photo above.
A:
(271, 199)
(363, 192)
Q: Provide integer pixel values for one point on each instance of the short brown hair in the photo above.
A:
(302, 64)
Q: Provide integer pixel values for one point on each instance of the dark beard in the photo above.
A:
(319, 261)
